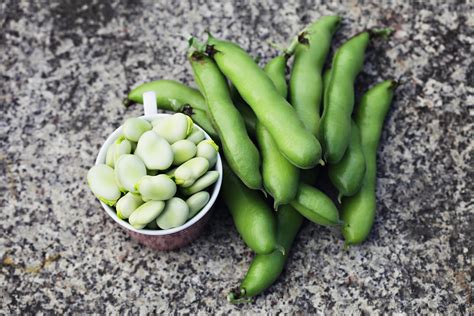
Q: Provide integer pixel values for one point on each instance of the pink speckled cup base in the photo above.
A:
(175, 240)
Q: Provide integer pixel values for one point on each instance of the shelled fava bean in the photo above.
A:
(156, 173)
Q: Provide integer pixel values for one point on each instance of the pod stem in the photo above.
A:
(290, 50)
(275, 45)
(126, 102)
(383, 32)
(196, 44)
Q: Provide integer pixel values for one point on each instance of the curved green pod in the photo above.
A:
(297, 144)
(254, 220)
(265, 269)
(335, 127)
(316, 206)
(240, 152)
(276, 71)
(176, 97)
(347, 174)
(280, 177)
(306, 84)
(358, 211)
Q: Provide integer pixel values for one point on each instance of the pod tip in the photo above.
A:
(276, 205)
(239, 298)
(281, 249)
(339, 197)
(126, 102)
(346, 246)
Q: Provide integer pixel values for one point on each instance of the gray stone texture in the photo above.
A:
(66, 65)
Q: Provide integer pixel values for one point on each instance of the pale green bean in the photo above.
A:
(127, 204)
(186, 174)
(155, 151)
(129, 169)
(196, 202)
(146, 213)
(101, 181)
(134, 127)
(175, 127)
(157, 188)
(175, 214)
(203, 182)
(183, 150)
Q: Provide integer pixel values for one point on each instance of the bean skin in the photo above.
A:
(358, 211)
(297, 144)
(347, 175)
(240, 152)
(306, 86)
(265, 269)
(254, 220)
(335, 127)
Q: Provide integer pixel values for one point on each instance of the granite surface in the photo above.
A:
(66, 65)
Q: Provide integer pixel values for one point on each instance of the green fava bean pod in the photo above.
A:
(326, 77)
(265, 269)
(358, 211)
(297, 144)
(306, 85)
(249, 117)
(316, 206)
(176, 97)
(280, 177)
(240, 152)
(170, 95)
(335, 128)
(276, 70)
(254, 220)
(347, 174)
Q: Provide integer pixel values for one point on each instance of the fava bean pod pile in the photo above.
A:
(277, 135)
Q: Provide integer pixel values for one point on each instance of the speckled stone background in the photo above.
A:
(64, 67)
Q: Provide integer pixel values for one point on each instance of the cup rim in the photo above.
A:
(162, 232)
